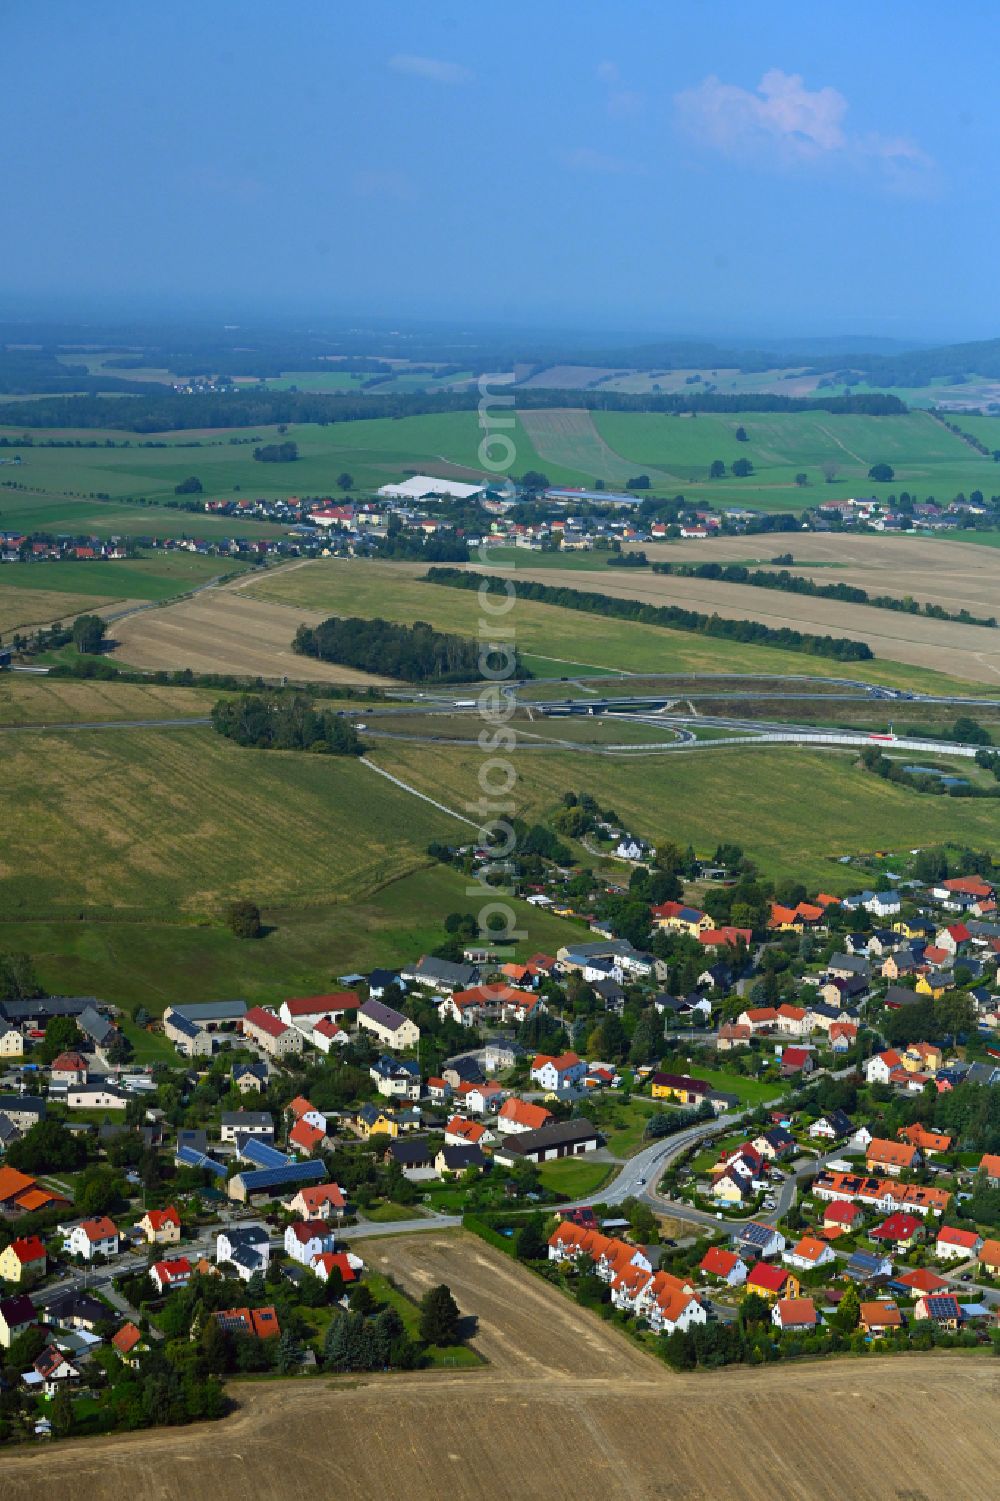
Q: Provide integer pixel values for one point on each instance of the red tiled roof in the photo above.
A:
(264, 1021)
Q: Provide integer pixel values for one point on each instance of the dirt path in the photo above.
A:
(566, 1406)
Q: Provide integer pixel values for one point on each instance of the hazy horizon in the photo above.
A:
(778, 176)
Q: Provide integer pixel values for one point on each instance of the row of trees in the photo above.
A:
(672, 617)
(796, 583)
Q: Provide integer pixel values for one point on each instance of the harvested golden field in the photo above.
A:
(933, 570)
(37, 701)
(565, 1404)
(558, 639)
(27, 609)
(226, 630)
(967, 651)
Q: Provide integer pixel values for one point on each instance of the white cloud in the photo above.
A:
(621, 101)
(432, 68)
(787, 122)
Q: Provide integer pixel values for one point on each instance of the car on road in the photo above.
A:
(642, 1183)
(770, 1202)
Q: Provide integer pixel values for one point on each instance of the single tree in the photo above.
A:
(439, 1317)
(345, 481)
(243, 919)
(830, 470)
(717, 470)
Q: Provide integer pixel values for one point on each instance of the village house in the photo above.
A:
(306, 1012)
(51, 1370)
(129, 1344)
(23, 1260)
(318, 1201)
(771, 1282)
(989, 1257)
(956, 1244)
(258, 1123)
(928, 1143)
(391, 1028)
(556, 1073)
(17, 1314)
(794, 1315)
(169, 1275)
(521, 1115)
(900, 1231)
(247, 1248)
(396, 1078)
(271, 1034)
(252, 1323)
(68, 1068)
(161, 1227)
(891, 1157)
(808, 1253)
(461, 1132)
(555, 1140)
(90, 1238)
(307, 1239)
(880, 1317)
(250, 1078)
(725, 1265)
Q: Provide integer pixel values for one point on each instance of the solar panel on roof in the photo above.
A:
(188, 1157)
(276, 1177)
(253, 1149)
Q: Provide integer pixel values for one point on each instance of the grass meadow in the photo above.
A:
(794, 811)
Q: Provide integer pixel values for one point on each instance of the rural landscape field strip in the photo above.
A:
(755, 793)
(562, 1397)
(182, 820)
(945, 646)
(397, 592)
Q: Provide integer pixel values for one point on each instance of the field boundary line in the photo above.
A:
(406, 787)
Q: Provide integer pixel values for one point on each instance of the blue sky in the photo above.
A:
(698, 166)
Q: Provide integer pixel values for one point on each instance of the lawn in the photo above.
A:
(567, 639)
(795, 811)
(387, 1212)
(383, 1291)
(750, 1091)
(576, 1177)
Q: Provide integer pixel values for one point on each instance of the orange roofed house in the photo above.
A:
(892, 1157)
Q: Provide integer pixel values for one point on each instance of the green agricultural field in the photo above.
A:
(159, 821)
(39, 700)
(567, 640)
(926, 457)
(155, 575)
(794, 811)
(32, 510)
(153, 961)
(375, 452)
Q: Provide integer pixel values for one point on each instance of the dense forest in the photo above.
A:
(673, 617)
(415, 653)
(796, 583)
(284, 722)
(171, 412)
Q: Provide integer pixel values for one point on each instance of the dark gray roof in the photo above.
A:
(247, 1118)
(46, 1006)
(183, 1024)
(212, 1011)
(457, 1159)
(377, 1011)
(95, 1026)
(16, 1102)
(415, 1152)
(197, 1140)
(559, 1133)
(459, 975)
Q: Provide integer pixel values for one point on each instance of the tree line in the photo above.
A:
(172, 412)
(284, 722)
(670, 617)
(796, 583)
(416, 653)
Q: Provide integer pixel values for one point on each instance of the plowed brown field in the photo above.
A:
(566, 1408)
